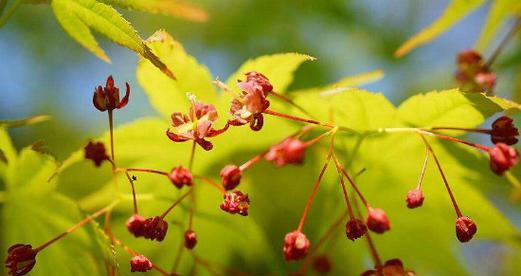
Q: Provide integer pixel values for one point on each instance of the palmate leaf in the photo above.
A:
(32, 212)
(77, 17)
(175, 8)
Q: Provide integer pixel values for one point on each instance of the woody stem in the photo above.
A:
(452, 198)
(315, 187)
(76, 226)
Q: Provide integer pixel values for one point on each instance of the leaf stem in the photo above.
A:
(351, 181)
(304, 120)
(424, 167)
(175, 203)
(146, 171)
(111, 127)
(134, 199)
(209, 181)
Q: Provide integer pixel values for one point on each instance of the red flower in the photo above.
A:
(296, 246)
(289, 151)
(96, 152)
(231, 177)
(414, 198)
(465, 229)
(180, 177)
(249, 105)
(473, 75)
(197, 125)
(502, 158)
(140, 263)
(393, 267)
(108, 98)
(136, 225)
(485, 80)
(21, 258)
(469, 57)
(236, 203)
(322, 264)
(190, 239)
(377, 221)
(355, 229)
(155, 228)
(504, 131)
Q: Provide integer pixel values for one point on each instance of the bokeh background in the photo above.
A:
(43, 71)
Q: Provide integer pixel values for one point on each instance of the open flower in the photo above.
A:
(249, 105)
(107, 98)
(473, 74)
(196, 125)
(236, 203)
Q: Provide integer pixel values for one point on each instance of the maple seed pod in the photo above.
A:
(236, 203)
(414, 198)
(465, 229)
(140, 263)
(180, 177)
(322, 264)
(377, 221)
(190, 239)
(289, 151)
(504, 131)
(502, 158)
(296, 246)
(155, 228)
(107, 98)
(136, 225)
(355, 229)
(21, 258)
(96, 152)
(231, 177)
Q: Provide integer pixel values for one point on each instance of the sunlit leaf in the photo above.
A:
(500, 11)
(175, 8)
(454, 12)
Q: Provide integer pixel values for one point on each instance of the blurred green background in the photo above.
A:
(43, 71)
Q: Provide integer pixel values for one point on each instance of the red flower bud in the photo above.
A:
(377, 221)
(231, 177)
(236, 203)
(504, 131)
(289, 151)
(296, 246)
(322, 264)
(393, 267)
(355, 229)
(96, 152)
(502, 158)
(108, 98)
(469, 56)
(190, 239)
(485, 80)
(21, 258)
(140, 263)
(180, 176)
(136, 225)
(414, 198)
(155, 228)
(465, 229)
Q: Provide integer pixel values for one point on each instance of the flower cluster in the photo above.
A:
(473, 74)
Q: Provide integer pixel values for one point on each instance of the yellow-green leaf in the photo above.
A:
(167, 7)
(77, 17)
(456, 10)
(279, 69)
(167, 95)
(500, 11)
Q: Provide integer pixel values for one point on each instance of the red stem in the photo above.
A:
(370, 243)
(111, 127)
(209, 181)
(346, 197)
(175, 204)
(477, 130)
(134, 199)
(248, 164)
(424, 167)
(341, 168)
(76, 226)
(315, 188)
(454, 203)
(289, 101)
(146, 171)
(452, 139)
(318, 138)
(295, 118)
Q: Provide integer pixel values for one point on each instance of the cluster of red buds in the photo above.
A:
(249, 107)
(473, 74)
